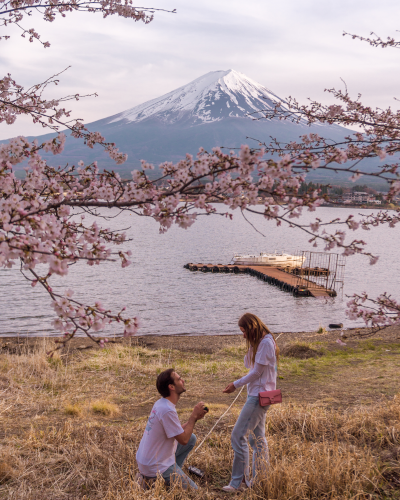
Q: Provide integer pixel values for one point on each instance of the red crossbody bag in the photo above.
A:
(267, 398)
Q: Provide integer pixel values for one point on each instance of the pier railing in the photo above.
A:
(322, 269)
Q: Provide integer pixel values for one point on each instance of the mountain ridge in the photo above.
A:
(218, 109)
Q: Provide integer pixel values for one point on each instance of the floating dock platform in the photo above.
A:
(298, 281)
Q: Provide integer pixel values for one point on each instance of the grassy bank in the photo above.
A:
(71, 425)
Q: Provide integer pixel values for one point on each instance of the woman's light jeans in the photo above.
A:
(250, 427)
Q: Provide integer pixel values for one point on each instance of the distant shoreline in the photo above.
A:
(390, 206)
(198, 343)
(370, 207)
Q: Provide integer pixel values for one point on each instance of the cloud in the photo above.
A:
(293, 48)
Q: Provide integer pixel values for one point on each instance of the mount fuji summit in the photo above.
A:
(213, 97)
(218, 109)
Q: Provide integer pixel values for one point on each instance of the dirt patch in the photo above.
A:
(204, 344)
(300, 351)
(393, 479)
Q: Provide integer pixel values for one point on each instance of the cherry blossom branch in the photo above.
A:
(330, 240)
(12, 12)
(376, 41)
(90, 189)
(74, 316)
(15, 101)
(379, 136)
(381, 312)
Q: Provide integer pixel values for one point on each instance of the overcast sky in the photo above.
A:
(293, 47)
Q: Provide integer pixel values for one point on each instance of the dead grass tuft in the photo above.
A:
(74, 410)
(105, 408)
(7, 472)
(300, 351)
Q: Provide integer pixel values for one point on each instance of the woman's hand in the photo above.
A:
(229, 388)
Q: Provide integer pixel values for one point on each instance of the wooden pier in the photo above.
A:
(296, 281)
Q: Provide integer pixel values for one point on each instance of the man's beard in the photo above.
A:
(182, 391)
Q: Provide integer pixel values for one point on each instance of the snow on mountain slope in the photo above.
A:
(210, 98)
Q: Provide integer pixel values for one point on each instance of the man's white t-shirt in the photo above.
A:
(157, 448)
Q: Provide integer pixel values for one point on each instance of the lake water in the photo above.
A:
(172, 300)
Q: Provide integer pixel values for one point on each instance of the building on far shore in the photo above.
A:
(360, 197)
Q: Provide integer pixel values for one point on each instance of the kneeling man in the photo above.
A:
(166, 443)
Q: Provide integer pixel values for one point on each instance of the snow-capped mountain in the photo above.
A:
(212, 97)
(217, 109)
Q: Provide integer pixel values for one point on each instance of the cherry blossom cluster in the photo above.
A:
(376, 40)
(379, 137)
(382, 311)
(74, 316)
(16, 101)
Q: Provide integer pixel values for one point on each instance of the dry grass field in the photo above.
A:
(70, 425)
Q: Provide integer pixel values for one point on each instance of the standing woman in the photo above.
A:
(261, 357)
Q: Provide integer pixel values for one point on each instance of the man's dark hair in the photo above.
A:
(163, 381)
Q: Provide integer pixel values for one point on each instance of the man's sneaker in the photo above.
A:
(140, 481)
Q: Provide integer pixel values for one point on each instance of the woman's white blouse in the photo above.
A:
(262, 376)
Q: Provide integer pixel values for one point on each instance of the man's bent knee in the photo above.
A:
(182, 479)
(192, 440)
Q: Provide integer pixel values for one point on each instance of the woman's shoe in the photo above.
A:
(247, 483)
(231, 489)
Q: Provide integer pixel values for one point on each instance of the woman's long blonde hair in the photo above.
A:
(255, 330)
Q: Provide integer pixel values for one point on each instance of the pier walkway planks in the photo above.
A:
(273, 275)
(291, 279)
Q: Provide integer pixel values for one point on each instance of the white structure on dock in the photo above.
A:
(269, 259)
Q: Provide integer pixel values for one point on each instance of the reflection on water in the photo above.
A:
(172, 300)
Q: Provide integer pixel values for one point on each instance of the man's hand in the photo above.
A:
(198, 411)
(229, 388)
